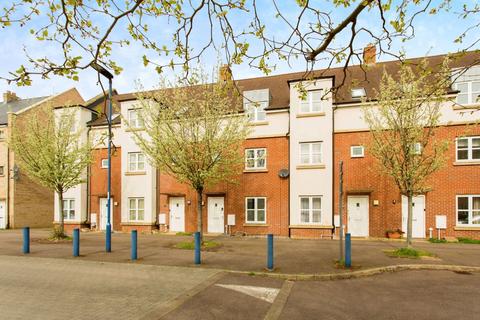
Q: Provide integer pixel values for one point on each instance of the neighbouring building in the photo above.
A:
(289, 186)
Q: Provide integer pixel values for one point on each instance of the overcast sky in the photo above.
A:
(434, 35)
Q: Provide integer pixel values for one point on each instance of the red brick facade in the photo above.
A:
(362, 176)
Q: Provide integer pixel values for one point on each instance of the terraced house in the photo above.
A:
(289, 184)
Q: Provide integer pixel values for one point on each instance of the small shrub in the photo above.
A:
(468, 240)
(435, 240)
(408, 253)
(190, 245)
(183, 234)
(56, 235)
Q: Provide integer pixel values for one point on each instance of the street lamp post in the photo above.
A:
(108, 235)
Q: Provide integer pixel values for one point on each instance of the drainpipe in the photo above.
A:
(89, 168)
(289, 173)
(7, 198)
(334, 108)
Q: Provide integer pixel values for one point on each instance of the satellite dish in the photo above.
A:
(283, 173)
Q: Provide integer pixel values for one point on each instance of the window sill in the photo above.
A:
(466, 106)
(467, 163)
(256, 225)
(258, 123)
(134, 129)
(466, 228)
(254, 170)
(139, 173)
(310, 114)
(309, 226)
(310, 166)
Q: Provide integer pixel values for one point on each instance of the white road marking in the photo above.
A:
(262, 293)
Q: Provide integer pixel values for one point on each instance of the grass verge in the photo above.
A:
(190, 245)
(408, 253)
(183, 234)
(469, 240)
(435, 240)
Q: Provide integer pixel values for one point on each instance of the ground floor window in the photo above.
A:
(468, 210)
(310, 209)
(256, 209)
(69, 209)
(136, 208)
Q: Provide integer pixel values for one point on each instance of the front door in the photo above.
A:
(358, 217)
(103, 213)
(3, 217)
(418, 218)
(177, 214)
(216, 221)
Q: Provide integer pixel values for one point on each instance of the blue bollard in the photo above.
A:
(348, 250)
(270, 252)
(134, 245)
(198, 245)
(108, 238)
(26, 240)
(76, 242)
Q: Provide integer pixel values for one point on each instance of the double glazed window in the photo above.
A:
(136, 209)
(136, 162)
(256, 158)
(468, 149)
(104, 163)
(311, 153)
(255, 209)
(312, 102)
(310, 209)
(256, 111)
(468, 210)
(69, 209)
(357, 151)
(469, 86)
(133, 119)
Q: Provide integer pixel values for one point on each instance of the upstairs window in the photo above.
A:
(256, 111)
(357, 151)
(358, 93)
(136, 162)
(312, 103)
(469, 86)
(311, 153)
(104, 163)
(468, 149)
(133, 119)
(256, 158)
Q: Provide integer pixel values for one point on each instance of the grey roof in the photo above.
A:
(15, 106)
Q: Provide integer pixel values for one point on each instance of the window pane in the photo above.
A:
(132, 215)
(132, 204)
(261, 163)
(305, 158)
(476, 217)
(462, 154)
(304, 148)
(140, 215)
(475, 142)
(141, 204)
(304, 107)
(250, 215)
(476, 154)
(317, 158)
(304, 216)
(250, 203)
(304, 203)
(317, 203)
(462, 143)
(261, 215)
(462, 203)
(475, 87)
(141, 157)
(316, 147)
(462, 99)
(463, 217)
(316, 216)
(250, 153)
(261, 153)
(462, 87)
(316, 95)
(317, 106)
(476, 203)
(141, 166)
(250, 163)
(260, 203)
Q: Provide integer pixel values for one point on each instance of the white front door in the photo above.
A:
(418, 217)
(177, 214)
(358, 217)
(216, 221)
(3, 216)
(103, 213)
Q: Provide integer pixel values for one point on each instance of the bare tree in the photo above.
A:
(193, 130)
(403, 124)
(87, 31)
(50, 150)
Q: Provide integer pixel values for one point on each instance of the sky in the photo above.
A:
(433, 35)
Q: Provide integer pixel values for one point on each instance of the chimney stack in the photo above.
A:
(225, 73)
(370, 54)
(9, 96)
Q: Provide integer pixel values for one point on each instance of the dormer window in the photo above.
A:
(358, 93)
(256, 111)
(312, 102)
(469, 86)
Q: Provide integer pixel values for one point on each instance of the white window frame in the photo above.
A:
(2, 134)
(310, 209)
(134, 122)
(68, 209)
(470, 210)
(104, 165)
(255, 221)
(309, 102)
(417, 148)
(136, 162)
(469, 149)
(310, 152)
(255, 109)
(256, 159)
(136, 210)
(472, 100)
(353, 155)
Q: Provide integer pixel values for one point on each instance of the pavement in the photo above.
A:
(246, 254)
(50, 288)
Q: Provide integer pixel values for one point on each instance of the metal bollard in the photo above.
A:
(26, 240)
(76, 242)
(348, 250)
(134, 245)
(270, 252)
(198, 246)
(108, 238)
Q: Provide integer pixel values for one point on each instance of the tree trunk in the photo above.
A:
(199, 213)
(60, 206)
(409, 220)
